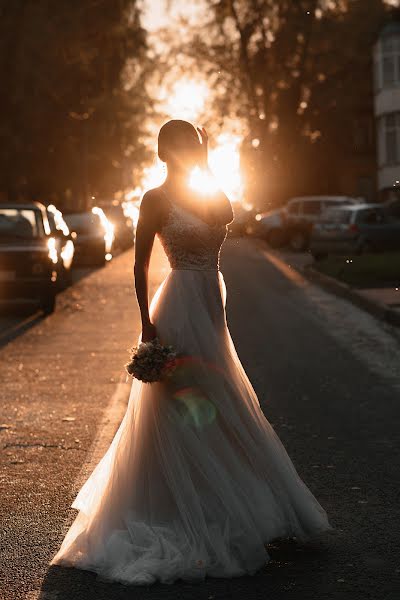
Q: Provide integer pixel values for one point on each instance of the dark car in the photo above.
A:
(28, 256)
(124, 230)
(65, 245)
(355, 229)
(302, 212)
(94, 236)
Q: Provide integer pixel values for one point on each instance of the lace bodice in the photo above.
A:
(189, 242)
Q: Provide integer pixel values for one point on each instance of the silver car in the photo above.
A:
(355, 229)
(302, 212)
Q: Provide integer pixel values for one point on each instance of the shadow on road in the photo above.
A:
(17, 319)
(292, 567)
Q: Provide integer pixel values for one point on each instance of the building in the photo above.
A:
(387, 109)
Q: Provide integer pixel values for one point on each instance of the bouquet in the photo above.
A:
(151, 361)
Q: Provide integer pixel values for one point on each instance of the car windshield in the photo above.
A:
(84, 223)
(312, 207)
(52, 222)
(336, 216)
(19, 223)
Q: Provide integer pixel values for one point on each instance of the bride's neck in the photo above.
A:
(177, 179)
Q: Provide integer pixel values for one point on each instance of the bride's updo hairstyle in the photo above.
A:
(178, 139)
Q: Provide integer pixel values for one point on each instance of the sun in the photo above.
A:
(224, 160)
(186, 100)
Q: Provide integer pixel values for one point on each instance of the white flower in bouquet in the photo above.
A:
(151, 361)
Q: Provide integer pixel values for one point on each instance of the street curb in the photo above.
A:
(377, 309)
(343, 290)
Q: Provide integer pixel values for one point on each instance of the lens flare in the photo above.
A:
(203, 182)
(194, 408)
(52, 250)
(193, 405)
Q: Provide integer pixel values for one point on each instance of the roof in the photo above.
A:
(363, 206)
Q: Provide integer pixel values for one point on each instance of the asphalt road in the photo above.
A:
(328, 379)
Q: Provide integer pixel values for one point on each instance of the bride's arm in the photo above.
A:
(145, 233)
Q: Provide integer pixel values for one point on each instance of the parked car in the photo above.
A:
(302, 212)
(28, 256)
(124, 230)
(94, 236)
(392, 207)
(65, 245)
(355, 229)
(243, 219)
(271, 227)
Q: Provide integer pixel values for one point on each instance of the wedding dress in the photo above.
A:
(196, 481)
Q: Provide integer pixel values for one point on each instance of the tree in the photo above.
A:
(298, 73)
(73, 102)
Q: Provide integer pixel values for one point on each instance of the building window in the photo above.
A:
(390, 139)
(387, 67)
(363, 134)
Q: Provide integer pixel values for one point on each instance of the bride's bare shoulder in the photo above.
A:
(153, 206)
(152, 197)
(152, 201)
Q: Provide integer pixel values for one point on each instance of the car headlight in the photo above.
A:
(52, 248)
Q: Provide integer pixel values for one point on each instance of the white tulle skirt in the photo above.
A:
(195, 481)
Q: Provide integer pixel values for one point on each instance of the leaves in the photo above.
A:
(66, 119)
(295, 74)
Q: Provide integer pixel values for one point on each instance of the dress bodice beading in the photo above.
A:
(189, 242)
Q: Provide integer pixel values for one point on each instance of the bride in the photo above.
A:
(195, 482)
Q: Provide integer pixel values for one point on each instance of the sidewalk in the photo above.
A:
(61, 382)
(388, 296)
(383, 303)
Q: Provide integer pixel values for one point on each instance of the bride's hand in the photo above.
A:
(149, 332)
(204, 146)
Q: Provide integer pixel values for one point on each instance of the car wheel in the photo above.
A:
(68, 277)
(48, 302)
(99, 260)
(276, 238)
(298, 241)
(64, 280)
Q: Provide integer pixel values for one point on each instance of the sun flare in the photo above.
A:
(187, 100)
(202, 181)
(224, 161)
